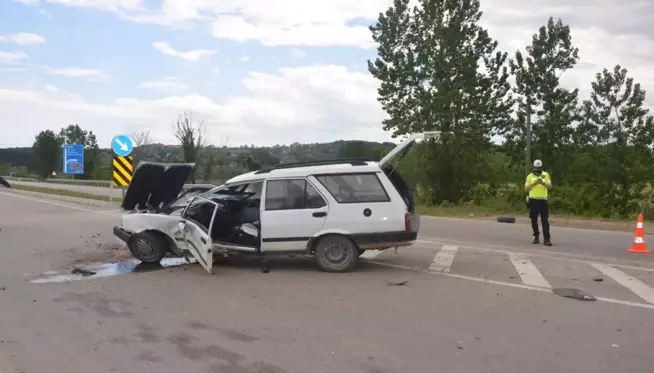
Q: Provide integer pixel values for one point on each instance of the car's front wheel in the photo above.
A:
(336, 253)
(148, 247)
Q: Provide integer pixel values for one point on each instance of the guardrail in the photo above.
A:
(93, 183)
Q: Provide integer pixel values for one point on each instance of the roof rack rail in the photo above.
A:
(351, 161)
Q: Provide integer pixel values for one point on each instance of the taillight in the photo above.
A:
(407, 221)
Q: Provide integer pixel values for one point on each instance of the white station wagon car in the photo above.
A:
(333, 210)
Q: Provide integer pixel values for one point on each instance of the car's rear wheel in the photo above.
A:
(336, 253)
(148, 247)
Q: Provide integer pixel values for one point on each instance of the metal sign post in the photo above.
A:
(123, 162)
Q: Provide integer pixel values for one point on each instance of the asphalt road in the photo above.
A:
(487, 311)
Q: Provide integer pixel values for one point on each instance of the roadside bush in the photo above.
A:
(590, 200)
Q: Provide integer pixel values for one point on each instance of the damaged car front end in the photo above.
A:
(163, 219)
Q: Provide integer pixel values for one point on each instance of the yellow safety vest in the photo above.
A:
(538, 191)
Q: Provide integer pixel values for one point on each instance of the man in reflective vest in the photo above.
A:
(538, 184)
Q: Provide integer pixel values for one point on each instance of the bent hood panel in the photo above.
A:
(155, 183)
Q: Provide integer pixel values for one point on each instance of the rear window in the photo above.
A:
(354, 188)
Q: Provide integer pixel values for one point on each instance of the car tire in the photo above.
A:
(148, 247)
(336, 253)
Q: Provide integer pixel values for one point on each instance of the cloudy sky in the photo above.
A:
(256, 71)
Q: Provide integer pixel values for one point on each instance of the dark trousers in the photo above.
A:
(539, 207)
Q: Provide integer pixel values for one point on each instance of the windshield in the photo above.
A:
(183, 199)
(234, 192)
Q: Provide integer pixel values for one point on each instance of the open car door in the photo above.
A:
(195, 227)
(401, 150)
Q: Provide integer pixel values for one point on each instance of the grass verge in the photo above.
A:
(66, 193)
(522, 217)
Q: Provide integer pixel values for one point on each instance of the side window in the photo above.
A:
(354, 188)
(313, 199)
(292, 194)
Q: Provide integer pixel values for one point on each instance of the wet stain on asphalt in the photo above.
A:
(146, 334)
(227, 333)
(99, 303)
(101, 270)
(149, 356)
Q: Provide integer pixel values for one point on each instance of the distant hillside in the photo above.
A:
(223, 162)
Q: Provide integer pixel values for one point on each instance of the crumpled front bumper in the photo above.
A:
(122, 234)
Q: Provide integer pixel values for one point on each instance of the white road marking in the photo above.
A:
(60, 204)
(508, 284)
(370, 254)
(528, 272)
(539, 253)
(443, 260)
(635, 285)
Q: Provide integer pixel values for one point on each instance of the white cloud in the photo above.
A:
(244, 58)
(309, 34)
(169, 83)
(193, 55)
(105, 5)
(80, 72)
(312, 103)
(12, 58)
(51, 88)
(22, 38)
(296, 53)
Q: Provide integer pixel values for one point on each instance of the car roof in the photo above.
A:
(303, 169)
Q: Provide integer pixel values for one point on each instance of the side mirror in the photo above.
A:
(249, 229)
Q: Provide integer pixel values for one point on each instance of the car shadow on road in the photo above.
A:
(287, 264)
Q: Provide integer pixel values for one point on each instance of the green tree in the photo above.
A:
(251, 164)
(429, 66)
(619, 123)
(47, 149)
(190, 137)
(538, 90)
(356, 149)
(74, 134)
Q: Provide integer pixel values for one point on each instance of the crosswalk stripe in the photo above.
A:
(635, 285)
(443, 260)
(528, 272)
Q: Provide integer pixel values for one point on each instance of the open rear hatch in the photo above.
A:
(155, 184)
(399, 152)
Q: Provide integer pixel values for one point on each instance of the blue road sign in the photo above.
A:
(122, 145)
(74, 159)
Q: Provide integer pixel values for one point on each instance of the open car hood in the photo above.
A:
(156, 184)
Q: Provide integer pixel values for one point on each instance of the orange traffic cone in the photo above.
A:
(639, 238)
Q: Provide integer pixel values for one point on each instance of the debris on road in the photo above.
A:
(2, 288)
(397, 283)
(598, 278)
(574, 294)
(82, 272)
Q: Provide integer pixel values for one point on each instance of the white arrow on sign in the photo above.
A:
(122, 145)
